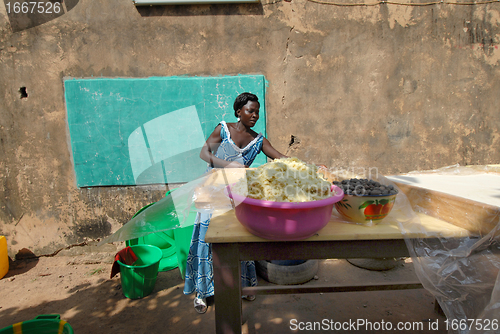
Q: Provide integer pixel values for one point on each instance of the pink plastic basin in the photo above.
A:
(284, 221)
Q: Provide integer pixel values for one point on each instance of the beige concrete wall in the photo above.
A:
(397, 88)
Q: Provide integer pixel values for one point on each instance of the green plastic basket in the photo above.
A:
(173, 243)
(182, 238)
(138, 280)
(42, 324)
(163, 240)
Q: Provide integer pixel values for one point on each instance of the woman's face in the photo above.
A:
(249, 113)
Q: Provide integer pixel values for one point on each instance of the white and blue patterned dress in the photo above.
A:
(199, 269)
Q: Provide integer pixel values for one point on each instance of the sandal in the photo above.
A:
(250, 298)
(200, 305)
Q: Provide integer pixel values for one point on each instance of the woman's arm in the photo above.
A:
(270, 151)
(211, 146)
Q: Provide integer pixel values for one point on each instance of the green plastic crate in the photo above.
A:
(42, 324)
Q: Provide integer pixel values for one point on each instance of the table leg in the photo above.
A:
(227, 284)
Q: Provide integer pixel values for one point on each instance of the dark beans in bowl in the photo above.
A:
(365, 187)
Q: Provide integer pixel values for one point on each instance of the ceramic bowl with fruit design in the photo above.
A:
(365, 209)
(365, 204)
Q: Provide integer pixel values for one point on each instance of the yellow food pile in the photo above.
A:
(284, 180)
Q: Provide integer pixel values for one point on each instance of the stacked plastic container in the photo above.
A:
(4, 258)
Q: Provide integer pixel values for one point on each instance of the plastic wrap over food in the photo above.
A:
(452, 233)
(204, 194)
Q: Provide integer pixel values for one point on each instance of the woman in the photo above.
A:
(235, 145)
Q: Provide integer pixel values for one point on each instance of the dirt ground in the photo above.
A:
(78, 288)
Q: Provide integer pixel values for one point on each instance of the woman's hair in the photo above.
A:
(242, 100)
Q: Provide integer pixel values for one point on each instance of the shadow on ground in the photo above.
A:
(82, 293)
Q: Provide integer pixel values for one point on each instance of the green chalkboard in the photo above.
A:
(129, 131)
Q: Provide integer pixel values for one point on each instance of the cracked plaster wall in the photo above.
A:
(398, 88)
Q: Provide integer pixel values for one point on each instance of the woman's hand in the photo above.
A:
(235, 164)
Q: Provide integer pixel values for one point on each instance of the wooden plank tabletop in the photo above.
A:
(481, 187)
(226, 228)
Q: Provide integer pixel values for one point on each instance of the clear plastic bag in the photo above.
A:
(204, 194)
(461, 271)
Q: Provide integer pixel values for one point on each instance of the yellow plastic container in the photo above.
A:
(4, 258)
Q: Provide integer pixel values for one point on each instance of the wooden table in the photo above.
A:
(232, 243)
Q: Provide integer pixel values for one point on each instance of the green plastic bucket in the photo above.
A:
(138, 280)
(165, 242)
(42, 324)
